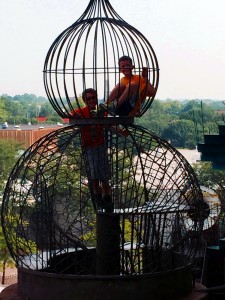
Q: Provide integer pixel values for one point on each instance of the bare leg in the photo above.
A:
(120, 95)
(130, 91)
(116, 93)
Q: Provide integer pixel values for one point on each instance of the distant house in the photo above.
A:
(41, 119)
(220, 112)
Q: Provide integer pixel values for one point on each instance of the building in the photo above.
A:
(26, 135)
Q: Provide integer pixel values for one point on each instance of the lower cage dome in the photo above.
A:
(51, 225)
(171, 285)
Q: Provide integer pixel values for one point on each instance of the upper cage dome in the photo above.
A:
(86, 54)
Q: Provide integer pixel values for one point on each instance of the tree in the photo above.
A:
(213, 179)
(8, 156)
(172, 108)
(23, 246)
(3, 113)
(5, 256)
(181, 133)
(156, 118)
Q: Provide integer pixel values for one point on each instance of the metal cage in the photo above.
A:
(86, 54)
(50, 219)
(50, 222)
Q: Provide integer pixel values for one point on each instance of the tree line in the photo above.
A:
(180, 122)
(183, 123)
(24, 109)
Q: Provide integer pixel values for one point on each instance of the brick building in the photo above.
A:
(25, 134)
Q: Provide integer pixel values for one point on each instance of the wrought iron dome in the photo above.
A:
(50, 224)
(86, 55)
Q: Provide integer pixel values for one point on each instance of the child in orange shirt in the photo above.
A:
(95, 153)
(126, 97)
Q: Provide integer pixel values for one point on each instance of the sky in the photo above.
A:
(188, 37)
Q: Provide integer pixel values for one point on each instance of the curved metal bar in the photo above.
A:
(86, 55)
(47, 211)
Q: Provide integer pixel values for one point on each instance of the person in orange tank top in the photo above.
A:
(127, 96)
(95, 153)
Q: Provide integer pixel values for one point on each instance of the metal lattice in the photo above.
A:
(50, 223)
(86, 55)
(146, 223)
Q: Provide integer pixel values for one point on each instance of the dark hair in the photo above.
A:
(86, 91)
(125, 57)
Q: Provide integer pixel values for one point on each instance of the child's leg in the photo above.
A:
(130, 92)
(124, 110)
(116, 92)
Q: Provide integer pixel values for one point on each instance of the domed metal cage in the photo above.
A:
(86, 55)
(50, 223)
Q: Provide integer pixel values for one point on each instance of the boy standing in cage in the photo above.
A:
(127, 96)
(95, 153)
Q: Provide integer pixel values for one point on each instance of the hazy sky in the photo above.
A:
(188, 37)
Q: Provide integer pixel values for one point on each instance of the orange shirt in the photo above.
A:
(141, 82)
(137, 79)
(91, 135)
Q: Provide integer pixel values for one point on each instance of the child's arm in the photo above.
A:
(114, 94)
(76, 115)
(150, 89)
